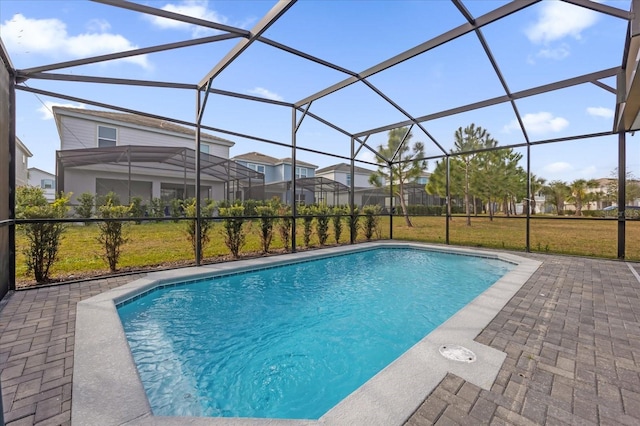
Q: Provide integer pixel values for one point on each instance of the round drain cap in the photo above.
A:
(457, 353)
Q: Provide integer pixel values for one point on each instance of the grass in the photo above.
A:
(165, 243)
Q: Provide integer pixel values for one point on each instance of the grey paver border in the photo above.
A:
(107, 389)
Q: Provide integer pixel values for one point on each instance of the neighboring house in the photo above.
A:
(133, 155)
(277, 176)
(364, 192)
(44, 180)
(22, 163)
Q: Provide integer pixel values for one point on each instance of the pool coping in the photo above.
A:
(107, 389)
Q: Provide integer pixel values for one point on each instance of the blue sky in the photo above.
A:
(548, 41)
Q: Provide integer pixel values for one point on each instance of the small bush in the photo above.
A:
(267, 219)
(354, 224)
(155, 208)
(371, 221)
(336, 219)
(175, 209)
(284, 226)
(322, 223)
(112, 233)
(205, 225)
(307, 222)
(43, 238)
(110, 198)
(137, 209)
(84, 209)
(234, 236)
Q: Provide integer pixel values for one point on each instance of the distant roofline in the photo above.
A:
(260, 158)
(40, 170)
(136, 120)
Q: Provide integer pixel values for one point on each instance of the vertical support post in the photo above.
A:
(294, 206)
(12, 188)
(352, 198)
(447, 201)
(197, 189)
(622, 189)
(391, 199)
(129, 174)
(530, 197)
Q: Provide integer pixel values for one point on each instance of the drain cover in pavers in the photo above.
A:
(457, 353)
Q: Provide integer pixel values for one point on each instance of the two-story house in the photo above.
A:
(137, 156)
(278, 175)
(44, 180)
(22, 163)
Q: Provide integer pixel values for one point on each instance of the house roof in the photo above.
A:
(344, 167)
(41, 171)
(260, 158)
(137, 120)
(23, 148)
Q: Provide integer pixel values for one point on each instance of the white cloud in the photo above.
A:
(49, 37)
(556, 53)
(600, 112)
(557, 20)
(538, 123)
(46, 109)
(260, 91)
(194, 8)
(557, 167)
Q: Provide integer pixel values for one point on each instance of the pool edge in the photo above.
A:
(104, 366)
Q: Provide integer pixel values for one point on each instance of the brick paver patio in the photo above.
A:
(571, 334)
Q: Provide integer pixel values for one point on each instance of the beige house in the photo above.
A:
(22, 163)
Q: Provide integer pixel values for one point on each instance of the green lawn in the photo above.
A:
(166, 243)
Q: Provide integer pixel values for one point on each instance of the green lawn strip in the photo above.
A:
(166, 243)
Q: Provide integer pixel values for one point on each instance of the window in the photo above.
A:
(24, 159)
(257, 167)
(107, 136)
(301, 172)
(348, 179)
(47, 183)
(300, 198)
(204, 148)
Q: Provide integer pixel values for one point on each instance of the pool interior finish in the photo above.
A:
(292, 341)
(107, 387)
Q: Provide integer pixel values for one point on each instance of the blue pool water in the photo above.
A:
(292, 341)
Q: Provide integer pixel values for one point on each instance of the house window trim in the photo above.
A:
(256, 167)
(348, 179)
(298, 172)
(43, 184)
(98, 138)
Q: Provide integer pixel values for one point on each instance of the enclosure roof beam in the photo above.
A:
(269, 19)
(602, 8)
(128, 53)
(485, 46)
(446, 37)
(586, 78)
(137, 7)
(249, 97)
(106, 80)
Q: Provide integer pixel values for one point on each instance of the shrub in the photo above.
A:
(371, 220)
(336, 219)
(284, 226)
(322, 223)
(233, 232)
(267, 218)
(84, 209)
(155, 208)
(354, 224)
(137, 209)
(111, 197)
(111, 233)
(43, 238)
(175, 209)
(307, 222)
(205, 225)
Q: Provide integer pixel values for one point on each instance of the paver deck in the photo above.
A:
(571, 335)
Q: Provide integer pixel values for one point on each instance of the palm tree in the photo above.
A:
(556, 193)
(467, 140)
(405, 164)
(536, 184)
(580, 194)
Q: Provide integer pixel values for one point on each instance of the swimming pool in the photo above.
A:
(108, 390)
(292, 341)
